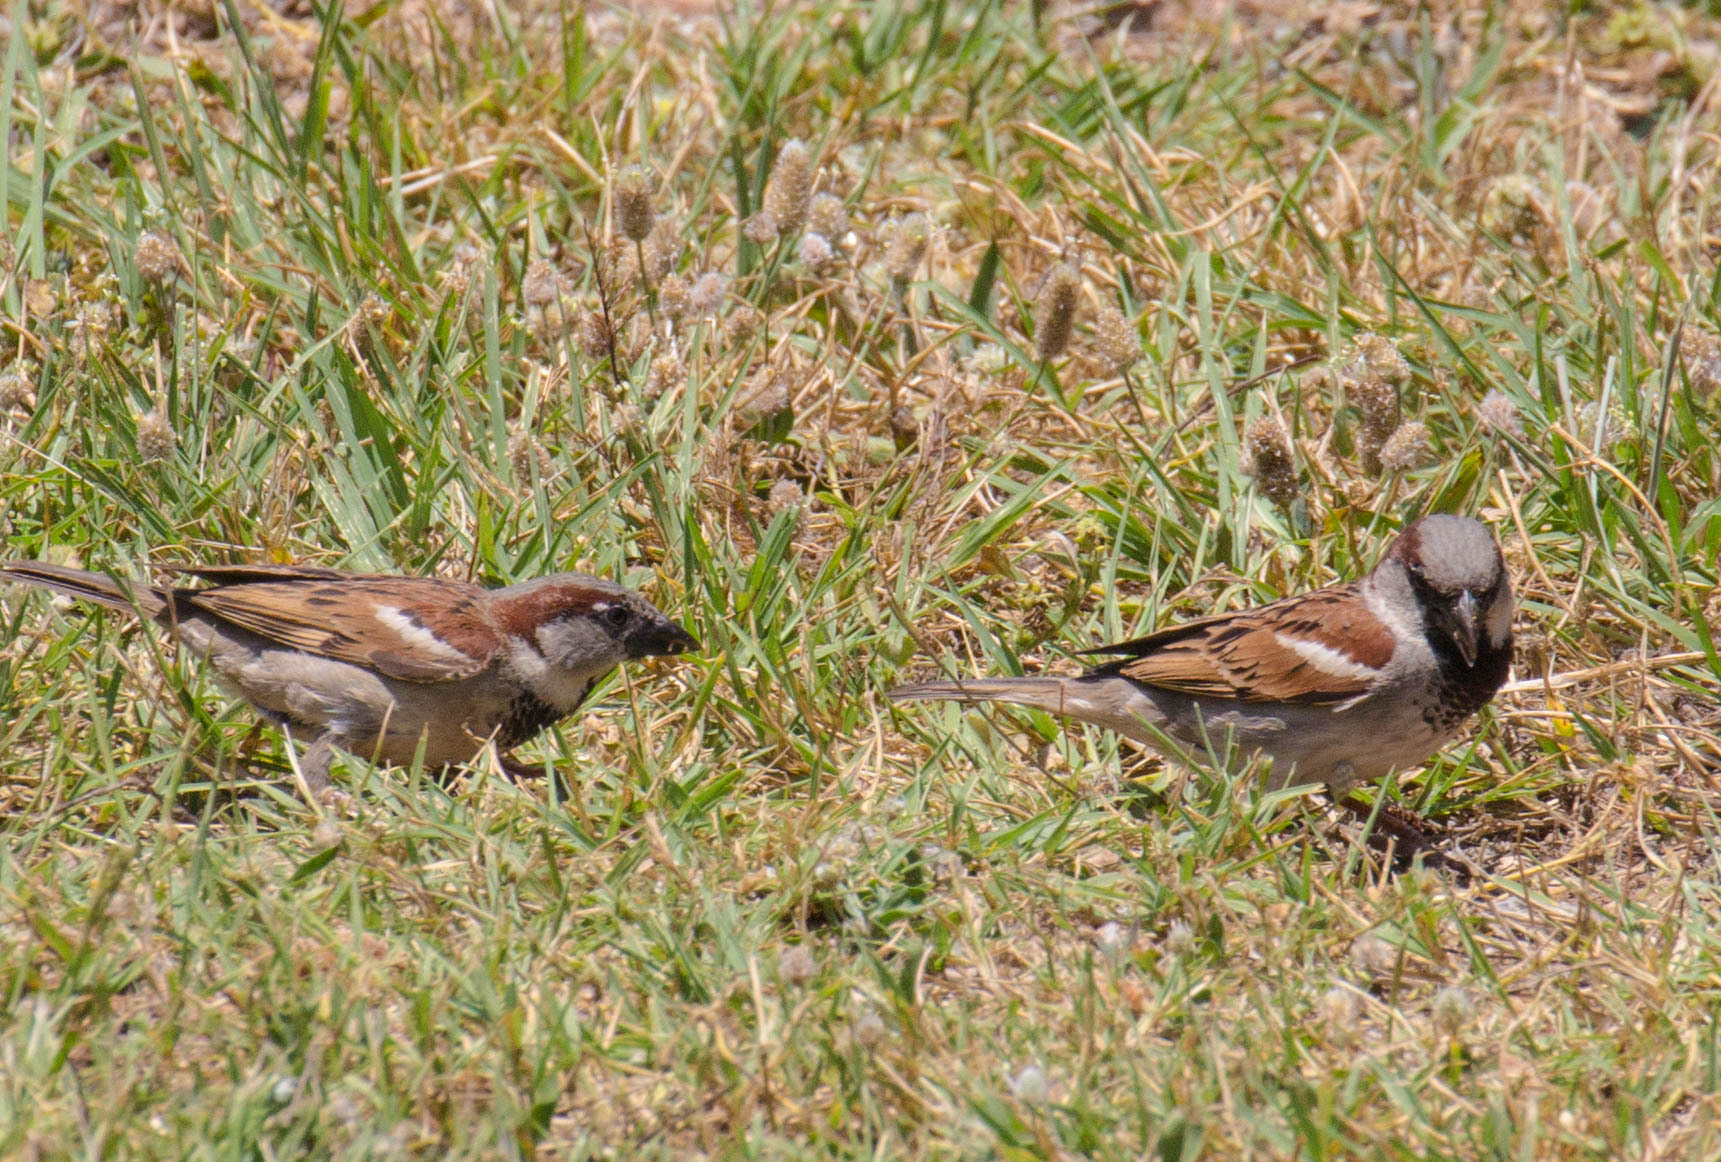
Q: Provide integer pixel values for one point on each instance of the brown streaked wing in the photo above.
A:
(1242, 655)
(344, 619)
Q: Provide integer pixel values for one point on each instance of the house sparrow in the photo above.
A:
(1338, 686)
(380, 665)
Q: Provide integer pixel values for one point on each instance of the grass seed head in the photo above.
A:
(1499, 415)
(1055, 311)
(1373, 957)
(795, 965)
(1512, 208)
(155, 436)
(542, 285)
(786, 496)
(595, 336)
(761, 229)
(157, 257)
(867, 1027)
(1451, 1010)
(1338, 1015)
(743, 325)
(1271, 462)
(665, 373)
(17, 393)
(1180, 938)
(1701, 353)
(708, 293)
(662, 248)
(828, 216)
(1116, 340)
(814, 251)
(789, 190)
(525, 453)
(1030, 1084)
(905, 248)
(1406, 448)
(634, 186)
(674, 296)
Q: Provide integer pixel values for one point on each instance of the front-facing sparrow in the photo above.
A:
(1339, 686)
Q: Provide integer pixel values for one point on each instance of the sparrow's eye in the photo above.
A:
(617, 616)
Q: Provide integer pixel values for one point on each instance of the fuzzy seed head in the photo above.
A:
(1180, 938)
(1338, 1014)
(1607, 430)
(1270, 461)
(17, 393)
(373, 310)
(1374, 957)
(674, 296)
(155, 436)
(814, 251)
(1451, 1010)
(1512, 207)
(785, 496)
(904, 428)
(156, 257)
(596, 337)
(743, 325)
(618, 270)
(1116, 340)
(789, 191)
(761, 228)
(828, 216)
(796, 965)
(1055, 311)
(708, 292)
(767, 397)
(457, 276)
(526, 453)
(665, 373)
(867, 1028)
(662, 249)
(909, 237)
(1030, 1084)
(1375, 356)
(1499, 415)
(1701, 353)
(543, 284)
(1378, 401)
(1406, 448)
(634, 186)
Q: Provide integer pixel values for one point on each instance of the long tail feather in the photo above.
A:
(1105, 700)
(1050, 694)
(85, 586)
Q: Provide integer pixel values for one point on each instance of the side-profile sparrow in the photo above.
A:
(381, 665)
(1338, 686)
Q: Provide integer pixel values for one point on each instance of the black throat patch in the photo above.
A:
(529, 716)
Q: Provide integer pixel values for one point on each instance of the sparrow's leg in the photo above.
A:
(518, 769)
(319, 757)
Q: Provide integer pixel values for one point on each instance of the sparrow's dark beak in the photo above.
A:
(659, 640)
(1459, 622)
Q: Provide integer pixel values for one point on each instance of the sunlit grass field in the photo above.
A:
(872, 342)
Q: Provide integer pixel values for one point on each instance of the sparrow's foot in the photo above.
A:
(1398, 832)
(518, 770)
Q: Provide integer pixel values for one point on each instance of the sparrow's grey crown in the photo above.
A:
(1452, 554)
